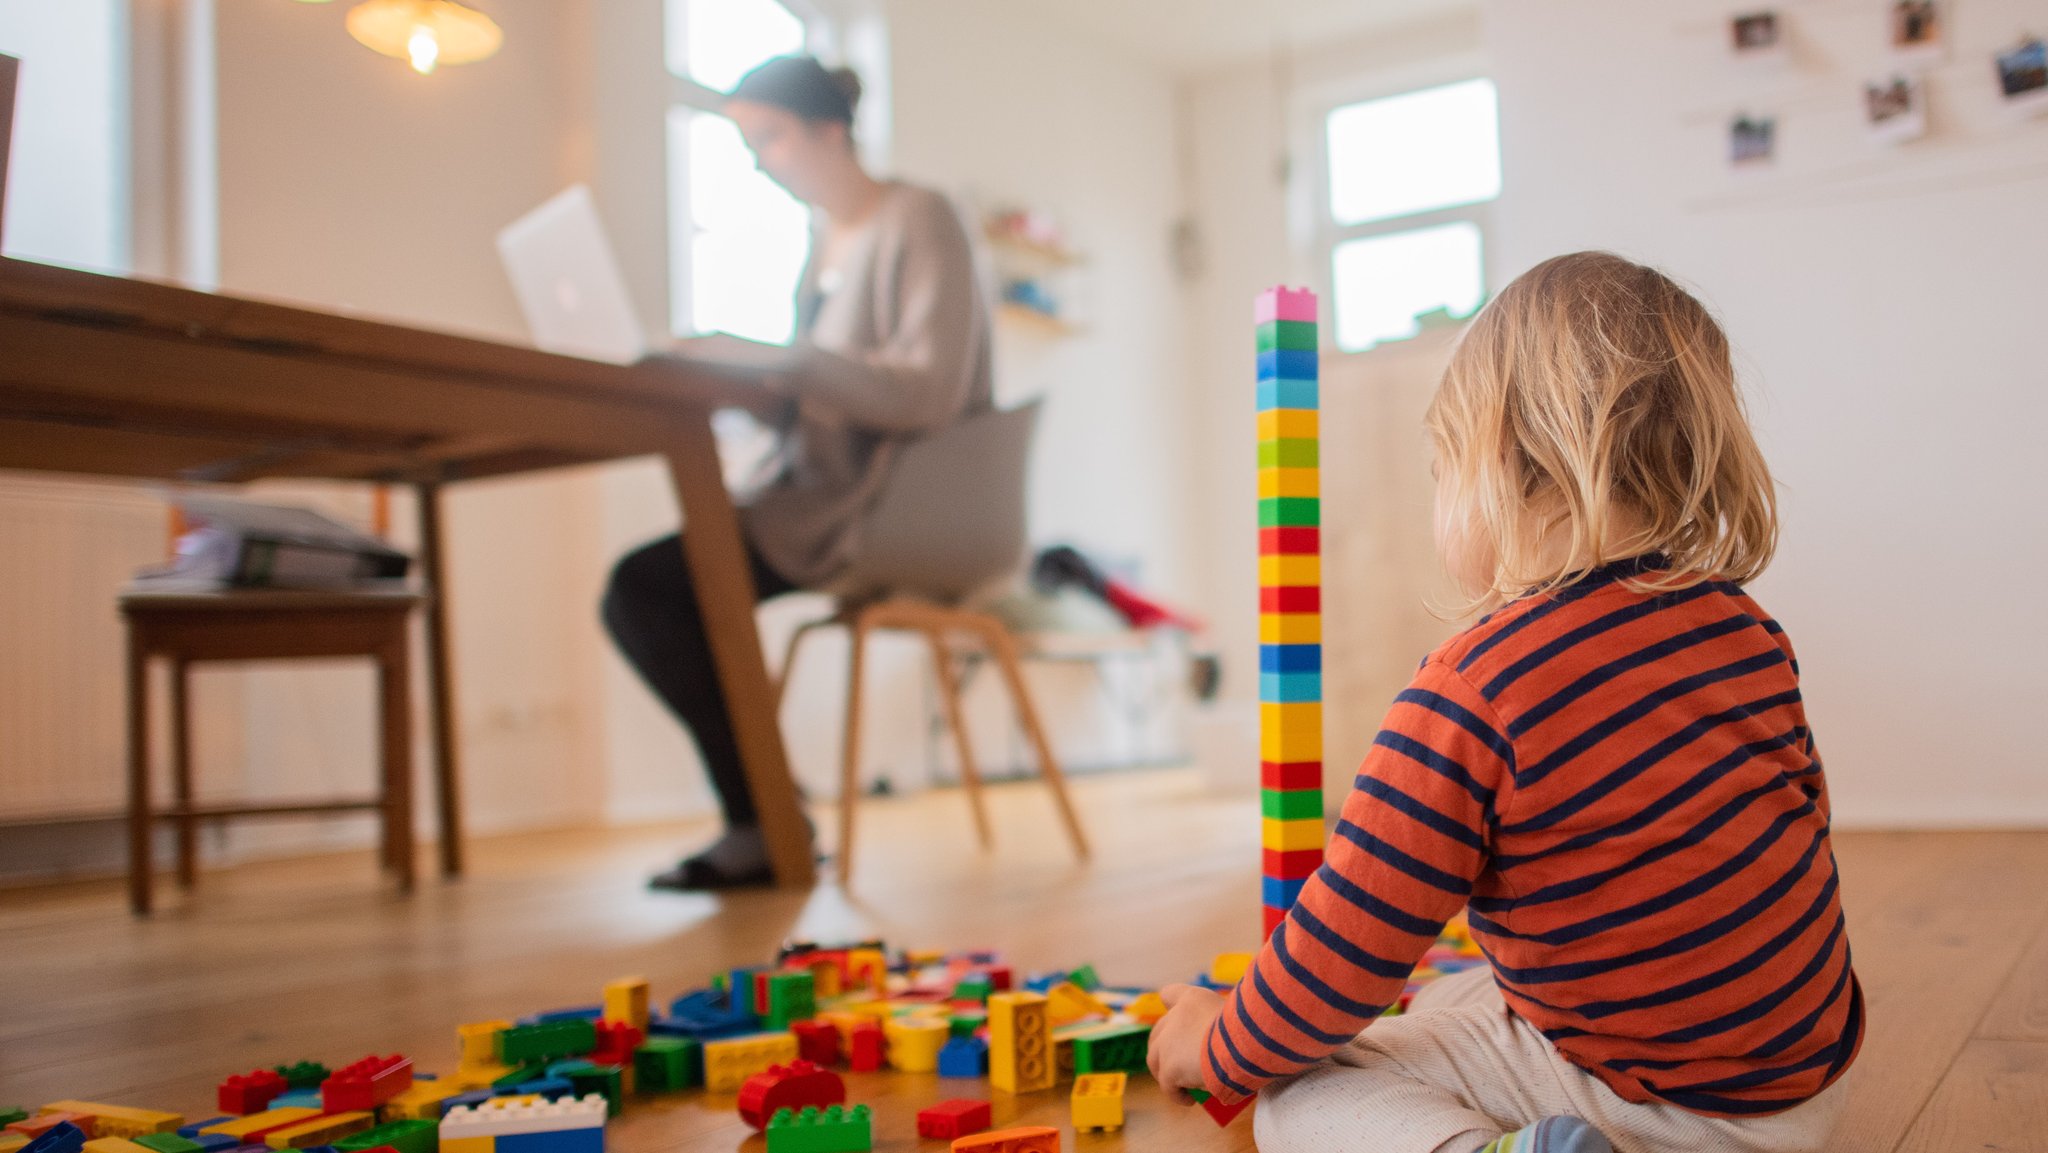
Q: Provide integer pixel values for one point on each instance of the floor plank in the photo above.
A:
(1995, 1098)
(2020, 1011)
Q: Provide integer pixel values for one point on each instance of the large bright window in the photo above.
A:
(67, 198)
(1409, 180)
(739, 240)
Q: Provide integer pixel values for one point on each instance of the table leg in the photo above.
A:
(441, 679)
(139, 856)
(726, 596)
(181, 770)
(394, 711)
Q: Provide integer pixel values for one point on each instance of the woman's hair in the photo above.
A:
(1590, 414)
(803, 86)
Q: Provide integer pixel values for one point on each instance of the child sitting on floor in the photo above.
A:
(1612, 769)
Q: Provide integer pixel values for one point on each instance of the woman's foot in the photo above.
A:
(1550, 1135)
(738, 860)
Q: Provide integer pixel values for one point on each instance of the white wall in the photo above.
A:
(1886, 307)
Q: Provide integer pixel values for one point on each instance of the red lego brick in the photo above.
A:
(1224, 1114)
(816, 1042)
(1272, 918)
(999, 979)
(616, 1041)
(868, 1044)
(792, 1086)
(366, 1084)
(1299, 541)
(41, 1123)
(1289, 776)
(949, 1119)
(1291, 864)
(246, 1093)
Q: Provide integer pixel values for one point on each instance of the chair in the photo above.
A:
(256, 625)
(949, 523)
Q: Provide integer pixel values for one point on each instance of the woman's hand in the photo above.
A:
(766, 395)
(1180, 1039)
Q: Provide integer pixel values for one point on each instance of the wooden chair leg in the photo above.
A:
(394, 714)
(181, 770)
(139, 863)
(1005, 652)
(949, 691)
(796, 639)
(849, 778)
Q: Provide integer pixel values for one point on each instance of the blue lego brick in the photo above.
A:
(1203, 980)
(191, 1132)
(1290, 659)
(1286, 687)
(707, 1014)
(63, 1137)
(1288, 394)
(589, 1139)
(1280, 894)
(579, 1013)
(1043, 982)
(549, 1087)
(297, 1098)
(1287, 364)
(964, 1057)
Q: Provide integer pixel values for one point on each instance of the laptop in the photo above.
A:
(10, 76)
(568, 282)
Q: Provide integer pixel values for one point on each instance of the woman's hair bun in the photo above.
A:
(848, 83)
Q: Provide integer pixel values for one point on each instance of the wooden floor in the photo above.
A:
(313, 958)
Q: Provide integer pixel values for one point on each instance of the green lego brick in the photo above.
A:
(587, 1077)
(965, 1024)
(835, 1129)
(10, 1115)
(1117, 1050)
(666, 1064)
(520, 1075)
(1293, 335)
(792, 996)
(1290, 512)
(411, 1135)
(1290, 804)
(163, 1142)
(1086, 978)
(304, 1075)
(546, 1041)
(1290, 452)
(977, 989)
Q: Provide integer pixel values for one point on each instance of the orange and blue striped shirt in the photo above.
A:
(1623, 788)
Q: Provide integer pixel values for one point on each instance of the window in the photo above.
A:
(739, 241)
(67, 199)
(1410, 177)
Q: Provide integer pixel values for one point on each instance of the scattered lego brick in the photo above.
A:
(834, 1129)
(955, 1118)
(325, 1129)
(1112, 1049)
(412, 1135)
(817, 1041)
(113, 1145)
(423, 1101)
(1220, 1113)
(42, 1123)
(964, 1057)
(1025, 1139)
(303, 1074)
(250, 1130)
(366, 1085)
(866, 1047)
(61, 1137)
(10, 1114)
(252, 1092)
(548, 1040)
(625, 1002)
(1098, 1101)
(119, 1120)
(914, 1042)
(12, 1142)
(728, 1063)
(794, 1086)
(667, 1064)
(169, 1143)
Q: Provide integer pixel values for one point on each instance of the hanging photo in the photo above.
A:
(1918, 32)
(2023, 77)
(1759, 38)
(1896, 109)
(1752, 141)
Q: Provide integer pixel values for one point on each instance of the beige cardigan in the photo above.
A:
(897, 350)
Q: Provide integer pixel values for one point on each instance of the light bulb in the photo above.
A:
(424, 48)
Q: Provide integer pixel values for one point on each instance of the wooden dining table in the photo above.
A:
(117, 376)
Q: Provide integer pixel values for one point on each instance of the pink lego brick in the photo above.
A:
(1282, 303)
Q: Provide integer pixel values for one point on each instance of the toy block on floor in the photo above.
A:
(964, 1057)
(11, 1142)
(1219, 1112)
(1147, 1009)
(949, 1119)
(423, 1100)
(1025, 1139)
(914, 1042)
(113, 1145)
(625, 1002)
(303, 1074)
(817, 1041)
(61, 1137)
(250, 1130)
(569, 1125)
(866, 1047)
(252, 1092)
(546, 1041)
(794, 1087)
(1112, 1049)
(728, 1063)
(41, 1123)
(168, 1143)
(587, 1077)
(1020, 1057)
(790, 997)
(667, 1064)
(414, 1135)
(1068, 1002)
(366, 1084)
(325, 1129)
(1098, 1101)
(834, 1129)
(119, 1120)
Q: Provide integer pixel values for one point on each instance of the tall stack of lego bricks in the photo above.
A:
(1290, 599)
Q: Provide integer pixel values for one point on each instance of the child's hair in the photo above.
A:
(1590, 387)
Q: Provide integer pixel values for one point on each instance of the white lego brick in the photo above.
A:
(494, 1120)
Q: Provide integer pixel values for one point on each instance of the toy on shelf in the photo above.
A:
(1027, 1139)
(1098, 1101)
(793, 1087)
(834, 1129)
(956, 1118)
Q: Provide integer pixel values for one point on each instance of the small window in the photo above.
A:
(1410, 177)
(68, 178)
(715, 42)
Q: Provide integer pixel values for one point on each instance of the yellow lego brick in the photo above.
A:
(479, 1041)
(1290, 731)
(1289, 424)
(323, 1130)
(1067, 1002)
(1147, 1009)
(1290, 482)
(422, 1102)
(469, 1145)
(868, 967)
(268, 1119)
(625, 1002)
(1098, 1101)
(1020, 1056)
(114, 1145)
(468, 1077)
(1288, 836)
(9, 1142)
(1290, 569)
(119, 1120)
(728, 1063)
(1229, 968)
(914, 1042)
(1290, 628)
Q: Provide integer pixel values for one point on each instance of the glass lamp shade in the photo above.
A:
(425, 32)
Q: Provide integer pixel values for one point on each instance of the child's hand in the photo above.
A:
(1180, 1039)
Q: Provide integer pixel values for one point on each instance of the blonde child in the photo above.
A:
(1613, 768)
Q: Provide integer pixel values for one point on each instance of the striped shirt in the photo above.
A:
(1624, 789)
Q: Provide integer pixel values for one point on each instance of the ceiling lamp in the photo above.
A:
(425, 32)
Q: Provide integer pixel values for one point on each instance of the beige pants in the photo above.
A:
(1459, 1070)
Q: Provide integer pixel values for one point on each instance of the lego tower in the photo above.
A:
(1290, 600)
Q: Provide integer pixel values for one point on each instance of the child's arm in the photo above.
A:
(1412, 837)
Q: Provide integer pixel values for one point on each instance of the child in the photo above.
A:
(1613, 769)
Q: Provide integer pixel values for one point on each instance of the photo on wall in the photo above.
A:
(1752, 141)
(2023, 77)
(1895, 110)
(1759, 38)
(1918, 32)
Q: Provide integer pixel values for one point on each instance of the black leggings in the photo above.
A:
(650, 608)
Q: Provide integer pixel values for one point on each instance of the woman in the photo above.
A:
(892, 345)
